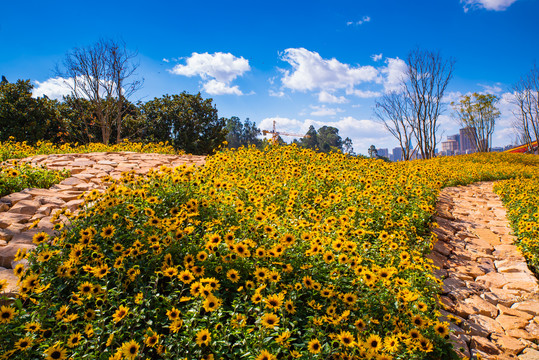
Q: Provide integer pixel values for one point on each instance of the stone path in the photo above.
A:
(487, 287)
(19, 210)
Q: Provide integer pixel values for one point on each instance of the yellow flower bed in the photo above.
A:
(16, 150)
(276, 254)
(521, 198)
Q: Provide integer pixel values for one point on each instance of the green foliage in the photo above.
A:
(326, 139)
(17, 177)
(477, 114)
(188, 121)
(241, 134)
(26, 118)
(521, 198)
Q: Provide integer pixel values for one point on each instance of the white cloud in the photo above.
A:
(312, 72)
(324, 111)
(492, 89)
(326, 97)
(54, 88)
(218, 70)
(276, 93)
(496, 5)
(393, 73)
(166, 60)
(376, 57)
(214, 87)
(363, 20)
(364, 94)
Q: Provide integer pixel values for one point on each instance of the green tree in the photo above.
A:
(477, 114)
(310, 141)
(188, 121)
(347, 147)
(241, 134)
(24, 117)
(373, 153)
(329, 139)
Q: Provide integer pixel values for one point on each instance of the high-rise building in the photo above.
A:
(450, 147)
(383, 152)
(397, 154)
(467, 143)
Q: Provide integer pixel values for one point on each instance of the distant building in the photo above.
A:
(397, 154)
(450, 147)
(383, 152)
(467, 145)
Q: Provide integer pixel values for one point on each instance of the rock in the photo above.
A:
(490, 325)
(520, 334)
(511, 322)
(14, 198)
(507, 252)
(474, 329)
(482, 307)
(504, 310)
(452, 284)
(72, 181)
(7, 274)
(437, 259)
(529, 306)
(28, 207)
(506, 297)
(511, 266)
(487, 236)
(533, 328)
(442, 247)
(7, 253)
(46, 200)
(73, 204)
(529, 354)
(492, 280)
(4, 206)
(471, 270)
(7, 219)
(480, 245)
(483, 344)
(460, 345)
(508, 344)
(66, 196)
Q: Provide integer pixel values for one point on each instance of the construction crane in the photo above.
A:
(275, 134)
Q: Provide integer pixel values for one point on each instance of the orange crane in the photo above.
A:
(275, 134)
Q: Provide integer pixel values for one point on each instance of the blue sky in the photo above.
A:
(301, 63)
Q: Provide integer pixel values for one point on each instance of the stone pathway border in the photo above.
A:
(19, 210)
(487, 287)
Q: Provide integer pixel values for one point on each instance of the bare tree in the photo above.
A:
(477, 114)
(393, 111)
(526, 100)
(427, 77)
(101, 73)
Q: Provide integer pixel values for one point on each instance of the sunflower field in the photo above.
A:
(15, 177)
(281, 253)
(521, 198)
(15, 150)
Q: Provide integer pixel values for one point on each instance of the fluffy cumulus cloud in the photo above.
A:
(393, 73)
(311, 72)
(496, 5)
(326, 97)
(216, 70)
(214, 87)
(54, 88)
(376, 57)
(364, 94)
(324, 111)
